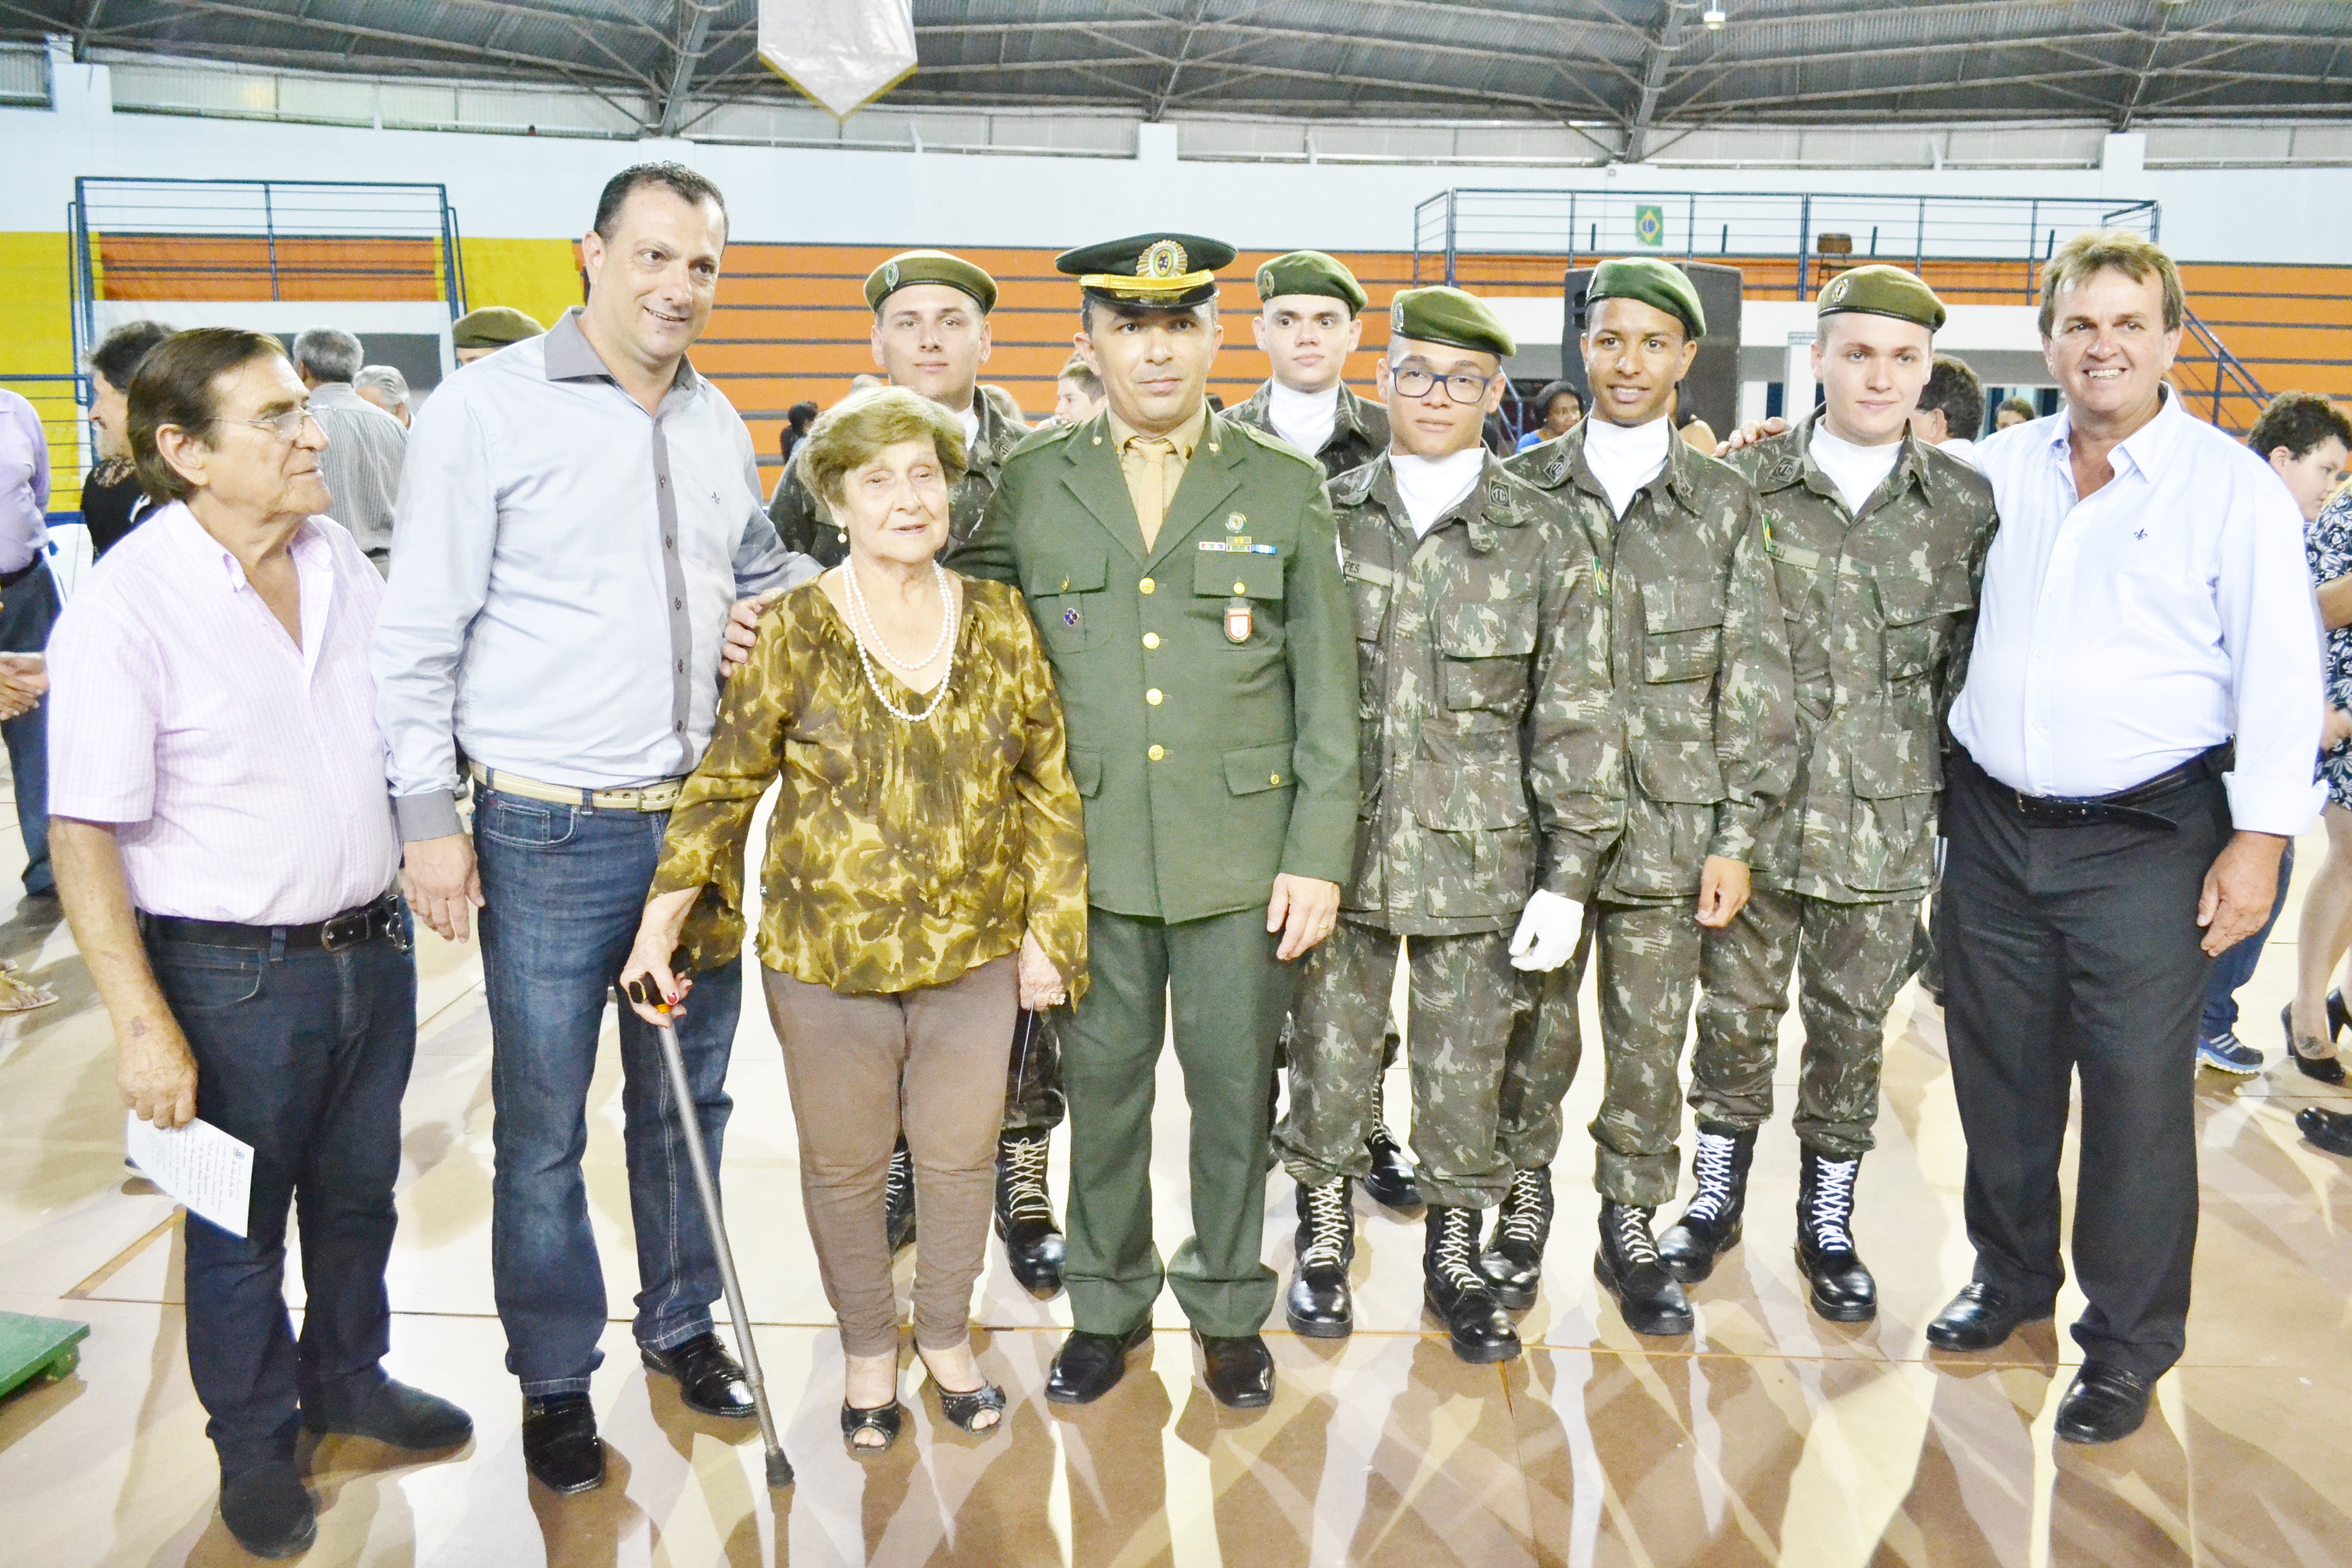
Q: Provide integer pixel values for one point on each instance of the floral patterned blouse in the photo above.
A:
(2327, 544)
(900, 854)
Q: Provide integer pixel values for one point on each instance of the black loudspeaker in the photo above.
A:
(1711, 390)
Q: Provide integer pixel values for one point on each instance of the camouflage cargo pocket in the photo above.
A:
(1478, 843)
(1892, 845)
(1917, 612)
(1684, 623)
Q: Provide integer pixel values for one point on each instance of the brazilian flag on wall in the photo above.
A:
(1649, 227)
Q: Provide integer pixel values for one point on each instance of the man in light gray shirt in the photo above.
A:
(364, 444)
(581, 514)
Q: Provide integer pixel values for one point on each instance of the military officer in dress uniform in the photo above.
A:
(1877, 541)
(931, 336)
(1493, 781)
(1185, 578)
(1699, 661)
(1309, 320)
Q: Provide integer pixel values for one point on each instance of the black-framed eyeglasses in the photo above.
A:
(1414, 382)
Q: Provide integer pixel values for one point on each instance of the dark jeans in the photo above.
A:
(2075, 950)
(565, 888)
(2235, 967)
(304, 1055)
(28, 609)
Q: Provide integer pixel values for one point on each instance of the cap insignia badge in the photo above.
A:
(889, 276)
(1162, 258)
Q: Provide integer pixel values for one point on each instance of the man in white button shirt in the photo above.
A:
(579, 514)
(2144, 606)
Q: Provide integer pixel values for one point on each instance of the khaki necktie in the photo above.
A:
(1152, 487)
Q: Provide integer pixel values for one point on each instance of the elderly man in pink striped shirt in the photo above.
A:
(224, 846)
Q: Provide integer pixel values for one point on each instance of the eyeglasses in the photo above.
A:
(286, 426)
(1416, 383)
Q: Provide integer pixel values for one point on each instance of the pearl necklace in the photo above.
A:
(862, 628)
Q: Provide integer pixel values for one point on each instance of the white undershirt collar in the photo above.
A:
(1625, 457)
(1856, 471)
(1430, 487)
(1305, 419)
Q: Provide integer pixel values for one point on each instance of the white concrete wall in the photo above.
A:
(520, 186)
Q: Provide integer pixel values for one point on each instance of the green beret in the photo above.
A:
(492, 327)
(910, 267)
(1658, 284)
(1882, 290)
(1169, 271)
(1444, 315)
(1310, 273)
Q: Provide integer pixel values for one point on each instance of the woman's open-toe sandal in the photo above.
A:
(884, 1418)
(964, 1409)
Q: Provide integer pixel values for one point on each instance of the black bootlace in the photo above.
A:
(1832, 1208)
(1457, 1239)
(1712, 1165)
(1527, 1217)
(1328, 1223)
(1634, 1242)
(1025, 1197)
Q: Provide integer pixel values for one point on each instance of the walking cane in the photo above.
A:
(780, 1470)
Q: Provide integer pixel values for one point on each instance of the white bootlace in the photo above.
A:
(1712, 1164)
(1526, 1215)
(1024, 1181)
(1633, 1238)
(1457, 1238)
(1328, 1223)
(1833, 1212)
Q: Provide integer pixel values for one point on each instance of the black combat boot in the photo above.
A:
(1318, 1305)
(1392, 1182)
(1024, 1214)
(1627, 1267)
(1710, 1224)
(898, 1199)
(1513, 1261)
(1841, 1288)
(1457, 1294)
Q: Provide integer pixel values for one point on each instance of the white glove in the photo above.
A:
(1548, 931)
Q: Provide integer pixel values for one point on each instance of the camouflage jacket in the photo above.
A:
(1360, 431)
(1880, 611)
(1492, 759)
(806, 526)
(1698, 660)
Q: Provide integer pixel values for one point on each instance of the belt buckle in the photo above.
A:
(345, 930)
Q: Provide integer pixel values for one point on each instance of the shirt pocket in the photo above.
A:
(1478, 854)
(1683, 773)
(1483, 650)
(1916, 613)
(1257, 581)
(1253, 770)
(1065, 590)
(1683, 631)
(1891, 845)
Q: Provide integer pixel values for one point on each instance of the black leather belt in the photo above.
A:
(353, 927)
(2128, 805)
(10, 579)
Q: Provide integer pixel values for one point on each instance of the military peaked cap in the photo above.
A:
(1169, 271)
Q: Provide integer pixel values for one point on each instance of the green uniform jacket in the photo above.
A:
(1493, 760)
(1359, 431)
(1209, 683)
(807, 527)
(1698, 658)
(1881, 609)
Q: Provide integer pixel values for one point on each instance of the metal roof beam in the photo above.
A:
(1658, 59)
(695, 28)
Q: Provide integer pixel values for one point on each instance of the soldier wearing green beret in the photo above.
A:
(1699, 663)
(1309, 320)
(931, 336)
(488, 330)
(1492, 777)
(1184, 576)
(1877, 541)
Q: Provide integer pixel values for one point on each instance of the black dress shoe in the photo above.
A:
(707, 1378)
(2329, 1130)
(1710, 1222)
(1088, 1366)
(268, 1510)
(1032, 1242)
(1239, 1371)
(898, 1199)
(1318, 1304)
(1980, 1317)
(396, 1414)
(1512, 1263)
(1458, 1295)
(2106, 1403)
(2314, 1065)
(1628, 1268)
(560, 1446)
(1838, 1284)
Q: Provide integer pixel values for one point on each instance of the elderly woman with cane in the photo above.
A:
(925, 876)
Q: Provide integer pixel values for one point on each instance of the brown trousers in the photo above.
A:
(859, 1067)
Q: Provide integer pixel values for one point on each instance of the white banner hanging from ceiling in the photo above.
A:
(844, 54)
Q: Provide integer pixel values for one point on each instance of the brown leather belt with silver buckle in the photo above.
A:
(2127, 806)
(349, 928)
(652, 797)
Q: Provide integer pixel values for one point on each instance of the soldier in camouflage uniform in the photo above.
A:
(1492, 782)
(1877, 541)
(1308, 321)
(931, 308)
(1699, 662)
